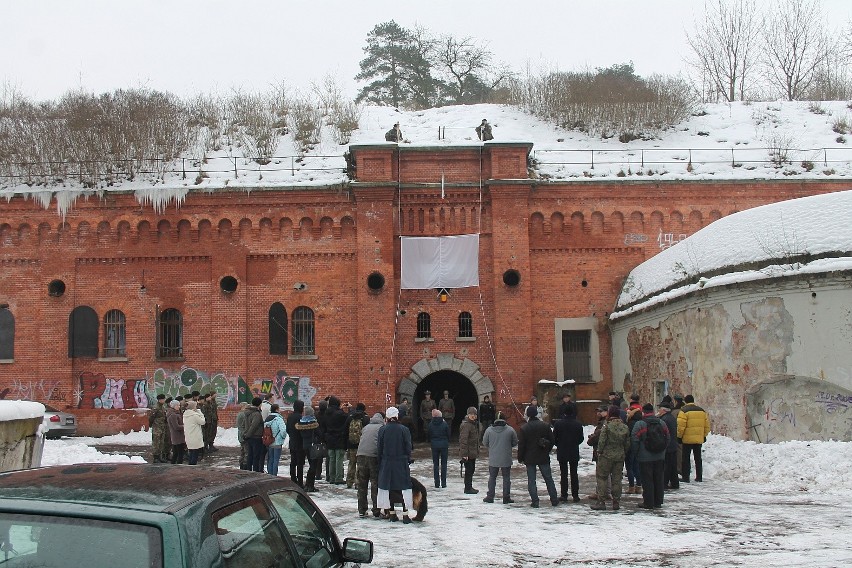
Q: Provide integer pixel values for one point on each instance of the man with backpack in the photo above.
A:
(354, 426)
(650, 438)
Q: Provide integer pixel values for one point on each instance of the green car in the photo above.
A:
(163, 516)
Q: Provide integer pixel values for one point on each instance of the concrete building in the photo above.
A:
(753, 316)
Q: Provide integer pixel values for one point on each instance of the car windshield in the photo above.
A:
(314, 538)
(60, 542)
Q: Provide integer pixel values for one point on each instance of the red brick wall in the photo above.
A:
(556, 235)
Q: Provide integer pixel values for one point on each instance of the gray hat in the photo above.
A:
(308, 411)
(472, 410)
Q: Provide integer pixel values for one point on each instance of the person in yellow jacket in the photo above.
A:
(693, 425)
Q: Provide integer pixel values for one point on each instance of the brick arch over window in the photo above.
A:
(444, 362)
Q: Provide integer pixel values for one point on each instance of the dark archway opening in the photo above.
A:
(460, 388)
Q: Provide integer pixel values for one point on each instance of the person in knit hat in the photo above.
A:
(469, 436)
(309, 429)
(499, 438)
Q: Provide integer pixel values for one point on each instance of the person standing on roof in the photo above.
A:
(483, 131)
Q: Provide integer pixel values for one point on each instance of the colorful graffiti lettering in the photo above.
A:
(99, 391)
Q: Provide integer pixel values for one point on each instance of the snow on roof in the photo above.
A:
(799, 236)
(722, 141)
(20, 410)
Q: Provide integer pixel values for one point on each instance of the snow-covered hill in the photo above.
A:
(775, 140)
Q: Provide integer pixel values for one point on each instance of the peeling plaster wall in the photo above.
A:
(726, 345)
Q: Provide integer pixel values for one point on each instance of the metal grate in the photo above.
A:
(170, 334)
(114, 334)
(576, 356)
(424, 326)
(303, 331)
(465, 325)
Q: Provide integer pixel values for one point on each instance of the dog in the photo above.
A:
(418, 497)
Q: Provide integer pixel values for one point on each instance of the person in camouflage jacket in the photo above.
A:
(157, 422)
(613, 443)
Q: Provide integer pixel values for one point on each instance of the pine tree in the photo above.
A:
(397, 67)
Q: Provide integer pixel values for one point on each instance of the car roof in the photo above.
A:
(150, 487)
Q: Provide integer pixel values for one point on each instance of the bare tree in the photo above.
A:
(796, 45)
(467, 65)
(724, 46)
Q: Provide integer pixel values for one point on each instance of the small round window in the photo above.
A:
(511, 278)
(375, 281)
(56, 288)
(228, 284)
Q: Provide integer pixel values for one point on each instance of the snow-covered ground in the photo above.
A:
(787, 504)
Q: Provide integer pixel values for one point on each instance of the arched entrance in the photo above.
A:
(460, 377)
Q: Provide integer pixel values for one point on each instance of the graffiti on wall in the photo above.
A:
(42, 390)
(798, 408)
(96, 390)
(666, 240)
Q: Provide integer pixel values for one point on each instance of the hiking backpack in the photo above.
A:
(655, 437)
(268, 436)
(355, 427)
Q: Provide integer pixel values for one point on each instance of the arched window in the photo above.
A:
(170, 334)
(7, 334)
(277, 329)
(83, 327)
(465, 325)
(114, 334)
(303, 331)
(424, 326)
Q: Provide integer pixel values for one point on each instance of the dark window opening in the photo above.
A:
(115, 344)
(511, 278)
(228, 284)
(424, 326)
(465, 325)
(83, 327)
(576, 355)
(277, 329)
(170, 334)
(375, 281)
(303, 331)
(7, 334)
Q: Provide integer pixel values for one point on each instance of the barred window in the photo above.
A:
(576, 355)
(465, 325)
(277, 329)
(7, 334)
(424, 325)
(303, 331)
(114, 334)
(83, 328)
(170, 334)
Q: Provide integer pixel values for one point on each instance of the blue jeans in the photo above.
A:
(440, 455)
(273, 456)
(193, 456)
(255, 454)
(547, 475)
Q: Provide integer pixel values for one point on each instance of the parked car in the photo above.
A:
(164, 516)
(58, 423)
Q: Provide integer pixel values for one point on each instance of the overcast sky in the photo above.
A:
(192, 46)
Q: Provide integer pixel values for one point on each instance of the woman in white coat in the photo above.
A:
(193, 420)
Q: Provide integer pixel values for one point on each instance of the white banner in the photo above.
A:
(439, 262)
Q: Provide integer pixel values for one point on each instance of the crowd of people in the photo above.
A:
(654, 447)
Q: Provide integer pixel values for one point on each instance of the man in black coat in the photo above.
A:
(534, 445)
(671, 479)
(394, 457)
(568, 433)
(335, 439)
(294, 440)
(487, 412)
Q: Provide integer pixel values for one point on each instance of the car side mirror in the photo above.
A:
(358, 550)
